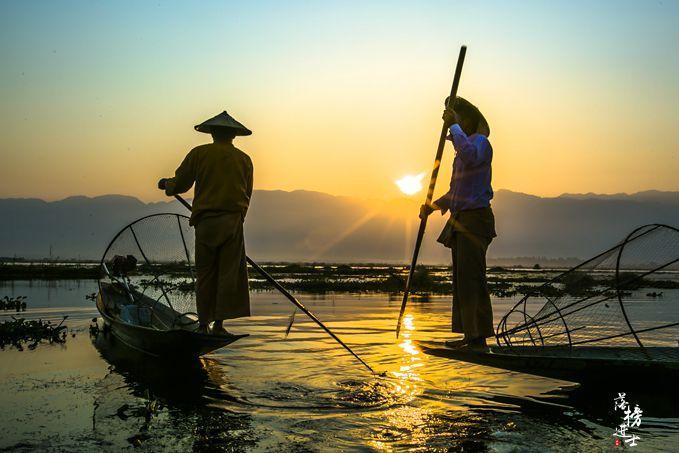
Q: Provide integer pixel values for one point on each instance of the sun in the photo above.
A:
(410, 184)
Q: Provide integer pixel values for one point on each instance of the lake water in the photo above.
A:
(303, 393)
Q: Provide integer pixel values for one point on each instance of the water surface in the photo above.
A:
(303, 393)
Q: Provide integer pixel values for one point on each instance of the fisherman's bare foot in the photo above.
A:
(478, 344)
(221, 331)
(218, 329)
(456, 343)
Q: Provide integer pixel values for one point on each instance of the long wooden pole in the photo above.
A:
(292, 298)
(432, 185)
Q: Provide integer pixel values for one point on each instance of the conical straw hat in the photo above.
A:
(463, 105)
(223, 120)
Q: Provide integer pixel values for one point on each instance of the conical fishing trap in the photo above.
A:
(626, 296)
(148, 273)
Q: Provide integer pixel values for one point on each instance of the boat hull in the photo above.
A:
(629, 367)
(174, 343)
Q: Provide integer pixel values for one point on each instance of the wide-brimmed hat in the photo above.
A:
(225, 121)
(464, 107)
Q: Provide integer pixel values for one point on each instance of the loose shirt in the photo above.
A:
(470, 185)
(223, 176)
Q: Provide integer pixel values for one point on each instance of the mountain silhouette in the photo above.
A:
(312, 226)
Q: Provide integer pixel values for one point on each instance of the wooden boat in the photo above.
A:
(622, 367)
(572, 327)
(162, 336)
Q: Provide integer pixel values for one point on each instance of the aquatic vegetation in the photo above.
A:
(394, 283)
(502, 289)
(496, 269)
(168, 285)
(13, 303)
(48, 271)
(359, 278)
(422, 278)
(374, 278)
(577, 282)
(631, 281)
(546, 290)
(19, 332)
(661, 284)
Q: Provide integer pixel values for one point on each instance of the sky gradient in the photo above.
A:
(343, 97)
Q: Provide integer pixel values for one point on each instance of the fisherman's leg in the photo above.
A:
(478, 312)
(456, 315)
(457, 321)
(218, 328)
(475, 307)
(206, 281)
(484, 311)
(233, 295)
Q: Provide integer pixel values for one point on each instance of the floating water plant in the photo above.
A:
(13, 303)
(19, 332)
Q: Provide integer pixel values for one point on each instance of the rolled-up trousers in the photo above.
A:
(221, 268)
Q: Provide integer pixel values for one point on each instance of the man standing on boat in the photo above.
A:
(471, 226)
(223, 175)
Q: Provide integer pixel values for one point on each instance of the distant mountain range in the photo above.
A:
(312, 226)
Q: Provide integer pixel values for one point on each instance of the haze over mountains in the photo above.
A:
(312, 226)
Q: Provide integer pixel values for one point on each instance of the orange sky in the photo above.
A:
(341, 99)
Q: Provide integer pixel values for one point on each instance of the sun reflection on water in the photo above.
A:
(410, 360)
(404, 422)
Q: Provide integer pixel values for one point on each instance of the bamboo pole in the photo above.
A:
(430, 190)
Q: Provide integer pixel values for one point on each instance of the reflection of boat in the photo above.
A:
(628, 366)
(150, 371)
(154, 329)
(192, 380)
(162, 405)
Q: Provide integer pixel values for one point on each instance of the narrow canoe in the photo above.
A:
(156, 340)
(619, 366)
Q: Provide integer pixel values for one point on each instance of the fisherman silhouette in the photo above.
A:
(223, 176)
(471, 226)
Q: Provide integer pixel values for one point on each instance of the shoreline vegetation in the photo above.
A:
(355, 278)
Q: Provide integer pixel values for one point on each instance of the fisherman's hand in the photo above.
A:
(427, 209)
(450, 117)
(161, 183)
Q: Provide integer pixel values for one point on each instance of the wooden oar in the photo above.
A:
(430, 191)
(291, 298)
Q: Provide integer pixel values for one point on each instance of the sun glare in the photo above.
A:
(410, 184)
